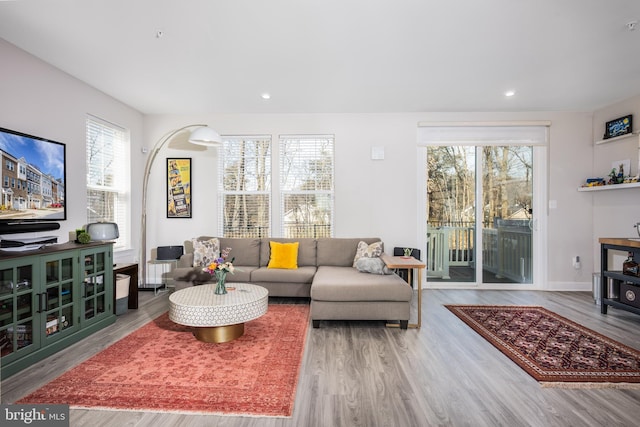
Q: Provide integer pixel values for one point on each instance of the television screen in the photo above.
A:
(33, 177)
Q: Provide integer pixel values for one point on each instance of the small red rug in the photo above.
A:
(162, 367)
(552, 349)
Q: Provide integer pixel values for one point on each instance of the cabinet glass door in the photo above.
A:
(17, 313)
(56, 302)
(95, 304)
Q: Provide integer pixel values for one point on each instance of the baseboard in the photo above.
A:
(551, 286)
(569, 286)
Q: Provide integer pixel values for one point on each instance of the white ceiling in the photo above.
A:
(219, 56)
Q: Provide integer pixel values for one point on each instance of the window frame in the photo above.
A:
(287, 189)
(276, 193)
(120, 186)
(261, 230)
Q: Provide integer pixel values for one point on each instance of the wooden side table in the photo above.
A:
(409, 264)
(130, 270)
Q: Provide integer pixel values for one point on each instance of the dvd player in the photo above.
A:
(28, 241)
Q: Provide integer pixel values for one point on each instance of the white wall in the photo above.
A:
(615, 212)
(379, 198)
(40, 100)
(569, 224)
(373, 198)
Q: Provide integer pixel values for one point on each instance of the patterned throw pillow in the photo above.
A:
(372, 265)
(373, 250)
(205, 251)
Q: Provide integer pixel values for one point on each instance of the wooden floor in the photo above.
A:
(362, 374)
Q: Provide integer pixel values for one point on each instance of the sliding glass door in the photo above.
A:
(507, 214)
(486, 242)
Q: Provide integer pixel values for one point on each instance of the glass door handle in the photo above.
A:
(42, 302)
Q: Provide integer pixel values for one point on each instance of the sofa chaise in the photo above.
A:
(334, 273)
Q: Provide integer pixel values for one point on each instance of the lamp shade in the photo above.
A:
(103, 231)
(205, 136)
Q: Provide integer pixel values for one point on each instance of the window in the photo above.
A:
(482, 195)
(108, 183)
(306, 185)
(303, 193)
(245, 186)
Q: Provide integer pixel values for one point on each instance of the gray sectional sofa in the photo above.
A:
(325, 273)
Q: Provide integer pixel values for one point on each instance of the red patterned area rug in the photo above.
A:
(161, 367)
(552, 349)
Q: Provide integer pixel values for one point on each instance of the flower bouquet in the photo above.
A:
(220, 267)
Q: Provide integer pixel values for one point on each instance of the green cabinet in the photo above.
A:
(97, 297)
(51, 298)
(55, 303)
(17, 310)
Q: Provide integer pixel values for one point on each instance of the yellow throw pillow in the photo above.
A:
(284, 255)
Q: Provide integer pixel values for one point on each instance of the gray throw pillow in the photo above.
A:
(372, 265)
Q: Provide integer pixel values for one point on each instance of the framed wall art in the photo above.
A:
(179, 188)
(618, 127)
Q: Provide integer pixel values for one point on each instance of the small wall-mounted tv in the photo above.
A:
(32, 178)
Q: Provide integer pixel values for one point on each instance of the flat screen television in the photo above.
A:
(32, 179)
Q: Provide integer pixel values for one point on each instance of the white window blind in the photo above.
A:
(306, 185)
(245, 186)
(108, 183)
(528, 133)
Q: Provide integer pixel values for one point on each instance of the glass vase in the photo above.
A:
(221, 277)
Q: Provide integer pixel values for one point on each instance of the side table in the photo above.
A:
(167, 265)
(409, 264)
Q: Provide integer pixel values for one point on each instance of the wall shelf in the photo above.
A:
(617, 138)
(611, 187)
(616, 186)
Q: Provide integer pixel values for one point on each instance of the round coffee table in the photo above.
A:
(218, 318)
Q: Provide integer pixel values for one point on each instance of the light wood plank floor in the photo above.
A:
(363, 374)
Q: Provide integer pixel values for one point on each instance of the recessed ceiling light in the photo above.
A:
(266, 96)
(510, 93)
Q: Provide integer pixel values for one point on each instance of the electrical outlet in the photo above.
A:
(576, 262)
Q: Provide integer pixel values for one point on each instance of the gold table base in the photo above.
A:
(219, 334)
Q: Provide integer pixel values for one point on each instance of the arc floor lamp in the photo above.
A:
(201, 135)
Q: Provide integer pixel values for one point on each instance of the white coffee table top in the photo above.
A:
(200, 306)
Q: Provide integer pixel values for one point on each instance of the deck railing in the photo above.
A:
(293, 231)
(506, 250)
